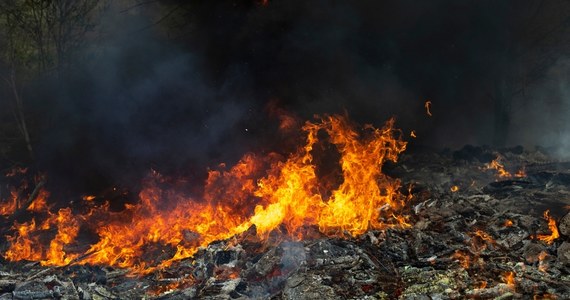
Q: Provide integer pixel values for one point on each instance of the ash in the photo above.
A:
(476, 232)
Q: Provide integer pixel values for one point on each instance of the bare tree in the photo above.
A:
(39, 38)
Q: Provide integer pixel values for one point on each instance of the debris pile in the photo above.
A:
(473, 233)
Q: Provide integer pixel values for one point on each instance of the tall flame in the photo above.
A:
(271, 192)
(554, 234)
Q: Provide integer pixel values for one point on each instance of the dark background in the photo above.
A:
(178, 86)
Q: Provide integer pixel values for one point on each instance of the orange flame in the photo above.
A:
(549, 238)
(509, 279)
(520, 173)
(454, 188)
(10, 205)
(26, 244)
(499, 167)
(413, 134)
(89, 198)
(427, 105)
(508, 223)
(269, 193)
(40, 203)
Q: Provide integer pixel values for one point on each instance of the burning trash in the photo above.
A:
(296, 226)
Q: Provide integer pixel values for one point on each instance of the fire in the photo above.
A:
(549, 238)
(89, 198)
(267, 193)
(454, 188)
(427, 105)
(10, 205)
(520, 173)
(499, 167)
(40, 203)
(509, 279)
(508, 223)
(413, 134)
(26, 244)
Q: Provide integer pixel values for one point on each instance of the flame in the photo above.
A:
(89, 198)
(413, 134)
(520, 173)
(26, 244)
(427, 105)
(454, 189)
(549, 238)
(267, 193)
(10, 205)
(509, 279)
(508, 223)
(40, 203)
(499, 167)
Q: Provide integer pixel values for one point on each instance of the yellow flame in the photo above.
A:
(549, 238)
(272, 192)
(427, 105)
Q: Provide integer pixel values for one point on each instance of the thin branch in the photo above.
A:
(138, 5)
(168, 14)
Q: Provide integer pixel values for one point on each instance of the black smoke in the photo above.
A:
(181, 85)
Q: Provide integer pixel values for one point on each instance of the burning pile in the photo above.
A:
(306, 226)
(269, 193)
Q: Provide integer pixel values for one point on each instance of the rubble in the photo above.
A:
(478, 241)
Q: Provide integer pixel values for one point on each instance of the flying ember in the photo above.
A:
(269, 193)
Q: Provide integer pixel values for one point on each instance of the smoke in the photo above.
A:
(541, 116)
(137, 102)
(191, 91)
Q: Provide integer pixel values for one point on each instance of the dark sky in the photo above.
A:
(192, 90)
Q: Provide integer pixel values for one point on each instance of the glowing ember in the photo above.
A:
(269, 192)
(549, 238)
(454, 189)
(462, 258)
(16, 171)
(509, 279)
(520, 173)
(508, 223)
(89, 198)
(428, 108)
(542, 265)
(413, 134)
